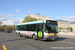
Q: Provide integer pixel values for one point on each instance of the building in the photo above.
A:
(38, 17)
(72, 25)
(63, 24)
(0, 23)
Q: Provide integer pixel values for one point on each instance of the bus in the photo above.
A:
(44, 30)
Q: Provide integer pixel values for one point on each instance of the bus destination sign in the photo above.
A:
(51, 22)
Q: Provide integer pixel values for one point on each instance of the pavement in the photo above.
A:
(11, 41)
(67, 34)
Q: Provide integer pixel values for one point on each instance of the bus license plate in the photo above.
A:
(51, 34)
(53, 39)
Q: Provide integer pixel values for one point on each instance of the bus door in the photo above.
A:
(40, 33)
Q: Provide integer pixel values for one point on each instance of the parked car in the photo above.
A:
(8, 31)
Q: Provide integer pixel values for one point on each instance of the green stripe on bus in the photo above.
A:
(32, 23)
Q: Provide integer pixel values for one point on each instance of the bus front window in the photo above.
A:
(51, 28)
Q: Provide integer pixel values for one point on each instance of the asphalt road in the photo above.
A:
(11, 41)
(67, 36)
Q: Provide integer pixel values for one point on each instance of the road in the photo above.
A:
(12, 42)
(67, 36)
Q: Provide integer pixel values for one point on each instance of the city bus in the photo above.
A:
(43, 30)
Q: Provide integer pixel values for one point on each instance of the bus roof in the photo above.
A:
(35, 22)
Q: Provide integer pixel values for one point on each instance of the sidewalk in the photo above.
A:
(67, 34)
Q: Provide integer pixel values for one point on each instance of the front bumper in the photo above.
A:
(52, 38)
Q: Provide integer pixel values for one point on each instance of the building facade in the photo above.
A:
(39, 18)
(0, 23)
(63, 24)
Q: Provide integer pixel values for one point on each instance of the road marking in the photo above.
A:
(4, 47)
(67, 42)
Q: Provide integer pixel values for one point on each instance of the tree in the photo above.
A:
(60, 28)
(71, 29)
(13, 27)
(68, 28)
(0, 27)
(3, 27)
(9, 27)
(28, 19)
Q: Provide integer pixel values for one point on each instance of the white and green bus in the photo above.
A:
(44, 30)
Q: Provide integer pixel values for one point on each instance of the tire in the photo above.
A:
(19, 35)
(34, 37)
(57, 38)
(25, 36)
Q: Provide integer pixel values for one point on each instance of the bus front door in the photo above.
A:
(40, 33)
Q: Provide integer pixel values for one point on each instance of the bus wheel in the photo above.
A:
(25, 36)
(34, 37)
(19, 35)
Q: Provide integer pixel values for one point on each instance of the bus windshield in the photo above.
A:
(52, 28)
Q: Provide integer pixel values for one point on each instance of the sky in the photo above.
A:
(12, 12)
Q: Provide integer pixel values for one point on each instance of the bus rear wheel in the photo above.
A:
(19, 35)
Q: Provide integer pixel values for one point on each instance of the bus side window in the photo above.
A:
(42, 27)
(39, 27)
(28, 27)
(18, 27)
(34, 27)
(46, 29)
(25, 27)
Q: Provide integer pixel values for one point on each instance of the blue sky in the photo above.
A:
(18, 9)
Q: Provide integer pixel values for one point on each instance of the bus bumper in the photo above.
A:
(51, 38)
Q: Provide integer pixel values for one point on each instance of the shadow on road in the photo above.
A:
(12, 40)
(15, 40)
(59, 39)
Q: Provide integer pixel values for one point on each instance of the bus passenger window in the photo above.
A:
(42, 27)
